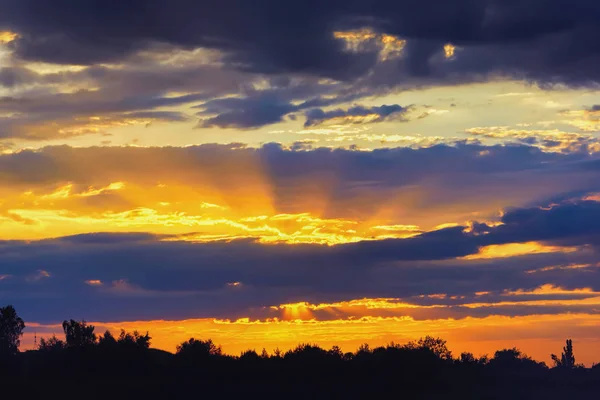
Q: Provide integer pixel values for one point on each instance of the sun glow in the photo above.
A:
(204, 214)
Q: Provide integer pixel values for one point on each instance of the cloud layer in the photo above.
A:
(531, 39)
(205, 254)
(261, 65)
(278, 194)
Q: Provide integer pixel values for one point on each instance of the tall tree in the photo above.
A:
(567, 358)
(79, 334)
(11, 330)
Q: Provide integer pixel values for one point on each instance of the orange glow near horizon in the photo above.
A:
(379, 321)
(537, 335)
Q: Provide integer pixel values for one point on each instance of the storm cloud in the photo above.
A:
(217, 51)
(549, 43)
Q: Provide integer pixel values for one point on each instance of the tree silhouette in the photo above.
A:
(423, 369)
(467, 358)
(513, 361)
(199, 348)
(11, 330)
(249, 355)
(134, 339)
(78, 334)
(567, 358)
(107, 339)
(436, 345)
(306, 353)
(336, 352)
(51, 344)
(264, 354)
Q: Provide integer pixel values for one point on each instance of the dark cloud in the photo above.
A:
(88, 102)
(144, 277)
(264, 107)
(317, 116)
(244, 113)
(44, 105)
(241, 33)
(50, 116)
(274, 47)
(528, 39)
(568, 223)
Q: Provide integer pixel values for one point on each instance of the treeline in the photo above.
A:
(125, 363)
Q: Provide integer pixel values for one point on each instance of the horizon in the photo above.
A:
(100, 330)
(169, 338)
(322, 172)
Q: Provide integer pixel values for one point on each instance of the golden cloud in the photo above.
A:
(517, 249)
(7, 37)
(552, 140)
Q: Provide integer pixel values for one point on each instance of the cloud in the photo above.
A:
(75, 190)
(353, 115)
(586, 120)
(520, 40)
(566, 223)
(247, 79)
(45, 104)
(245, 113)
(151, 274)
(393, 223)
(549, 139)
(11, 77)
(257, 108)
(64, 120)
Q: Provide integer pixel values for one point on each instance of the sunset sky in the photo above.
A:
(265, 172)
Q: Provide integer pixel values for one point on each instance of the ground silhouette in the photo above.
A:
(125, 366)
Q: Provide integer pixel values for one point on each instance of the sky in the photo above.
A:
(267, 173)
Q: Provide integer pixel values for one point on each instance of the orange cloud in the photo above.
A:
(7, 37)
(390, 46)
(221, 192)
(517, 249)
(551, 140)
